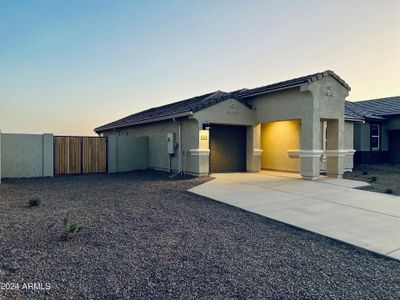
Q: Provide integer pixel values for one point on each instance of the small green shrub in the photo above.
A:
(35, 202)
(365, 173)
(373, 178)
(389, 191)
(71, 230)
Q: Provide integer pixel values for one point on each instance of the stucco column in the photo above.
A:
(335, 152)
(202, 153)
(310, 153)
(48, 155)
(253, 148)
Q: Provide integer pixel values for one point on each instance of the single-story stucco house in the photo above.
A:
(377, 137)
(299, 125)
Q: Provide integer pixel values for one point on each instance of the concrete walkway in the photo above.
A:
(331, 207)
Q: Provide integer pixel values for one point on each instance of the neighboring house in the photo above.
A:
(377, 137)
(286, 126)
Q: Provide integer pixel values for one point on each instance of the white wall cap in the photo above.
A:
(336, 153)
(350, 152)
(304, 153)
(257, 151)
(200, 152)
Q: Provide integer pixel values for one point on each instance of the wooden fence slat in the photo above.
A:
(77, 155)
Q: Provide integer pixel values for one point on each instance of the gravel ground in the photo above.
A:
(387, 178)
(146, 237)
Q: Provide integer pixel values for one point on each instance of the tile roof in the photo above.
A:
(185, 106)
(353, 111)
(200, 102)
(377, 109)
(292, 83)
(381, 107)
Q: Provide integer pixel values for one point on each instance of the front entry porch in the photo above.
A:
(303, 146)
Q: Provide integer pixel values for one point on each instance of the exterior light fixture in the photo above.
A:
(206, 126)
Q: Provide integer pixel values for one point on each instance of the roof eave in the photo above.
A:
(337, 78)
(152, 120)
(271, 91)
(388, 114)
(315, 78)
(356, 120)
(375, 119)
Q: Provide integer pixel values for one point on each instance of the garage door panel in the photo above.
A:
(227, 148)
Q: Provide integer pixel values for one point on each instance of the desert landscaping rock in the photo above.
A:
(386, 177)
(144, 236)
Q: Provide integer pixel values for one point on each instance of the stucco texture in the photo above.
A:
(349, 145)
(126, 153)
(158, 157)
(229, 112)
(276, 139)
(26, 155)
(308, 104)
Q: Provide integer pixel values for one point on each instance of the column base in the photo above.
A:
(201, 161)
(310, 163)
(253, 161)
(335, 163)
(305, 177)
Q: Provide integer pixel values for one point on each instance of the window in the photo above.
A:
(375, 137)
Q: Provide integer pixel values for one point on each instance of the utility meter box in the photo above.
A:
(171, 143)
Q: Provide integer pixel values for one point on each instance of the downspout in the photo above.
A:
(179, 145)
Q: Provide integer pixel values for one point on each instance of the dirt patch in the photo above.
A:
(383, 178)
(145, 236)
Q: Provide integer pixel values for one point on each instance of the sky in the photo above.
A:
(67, 67)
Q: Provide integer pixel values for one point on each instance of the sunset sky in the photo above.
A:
(69, 66)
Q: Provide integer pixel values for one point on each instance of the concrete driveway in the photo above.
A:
(331, 207)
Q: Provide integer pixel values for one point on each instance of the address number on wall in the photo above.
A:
(232, 109)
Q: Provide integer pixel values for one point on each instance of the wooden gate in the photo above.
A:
(80, 155)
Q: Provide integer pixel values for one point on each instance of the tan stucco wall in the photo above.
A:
(158, 157)
(26, 155)
(348, 135)
(230, 112)
(321, 100)
(253, 148)
(329, 105)
(309, 103)
(310, 106)
(192, 164)
(280, 106)
(276, 139)
(127, 153)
